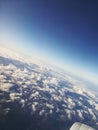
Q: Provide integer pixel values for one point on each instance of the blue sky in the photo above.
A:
(61, 31)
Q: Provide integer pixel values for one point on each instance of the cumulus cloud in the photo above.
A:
(15, 96)
(22, 102)
(70, 103)
(5, 86)
(80, 114)
(68, 112)
(34, 94)
(33, 107)
(96, 106)
(41, 112)
(50, 106)
(51, 112)
(47, 93)
(92, 114)
(2, 77)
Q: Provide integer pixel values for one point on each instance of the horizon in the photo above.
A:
(61, 33)
(40, 60)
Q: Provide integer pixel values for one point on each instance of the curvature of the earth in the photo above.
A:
(34, 96)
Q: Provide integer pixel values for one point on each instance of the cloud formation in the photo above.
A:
(48, 93)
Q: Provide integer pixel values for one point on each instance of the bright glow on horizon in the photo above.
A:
(23, 36)
(16, 42)
(80, 73)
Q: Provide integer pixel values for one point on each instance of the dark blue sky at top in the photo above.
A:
(62, 28)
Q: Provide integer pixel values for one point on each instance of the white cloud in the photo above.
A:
(34, 94)
(51, 112)
(5, 86)
(96, 106)
(92, 114)
(50, 106)
(33, 107)
(56, 97)
(80, 114)
(22, 101)
(70, 103)
(50, 80)
(2, 77)
(68, 112)
(39, 85)
(15, 96)
(65, 106)
(41, 112)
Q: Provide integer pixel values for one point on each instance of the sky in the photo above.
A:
(63, 32)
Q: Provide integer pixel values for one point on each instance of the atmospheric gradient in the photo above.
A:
(61, 32)
(48, 64)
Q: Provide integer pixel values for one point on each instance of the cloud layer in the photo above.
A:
(43, 92)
